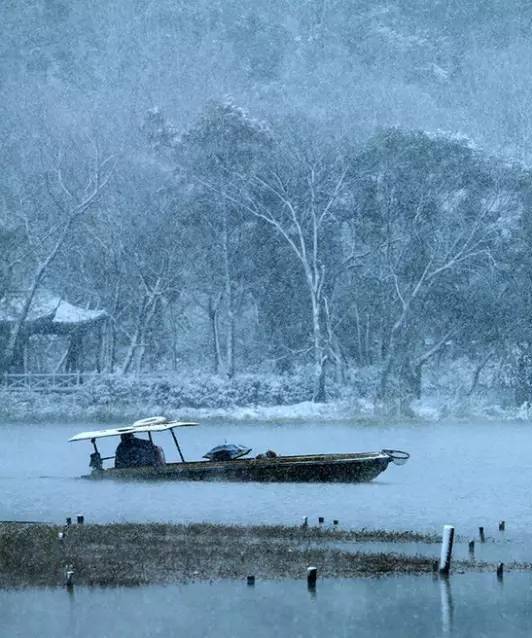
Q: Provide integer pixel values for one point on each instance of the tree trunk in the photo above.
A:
(136, 339)
(10, 352)
(367, 345)
(382, 389)
(410, 385)
(478, 370)
(108, 346)
(213, 318)
(149, 318)
(229, 301)
(319, 393)
(361, 356)
(111, 332)
(523, 390)
(17, 359)
(72, 363)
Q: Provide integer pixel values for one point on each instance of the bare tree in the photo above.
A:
(297, 197)
(457, 243)
(68, 201)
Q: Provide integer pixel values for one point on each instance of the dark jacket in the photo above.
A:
(135, 453)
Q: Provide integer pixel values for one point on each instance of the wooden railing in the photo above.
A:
(45, 381)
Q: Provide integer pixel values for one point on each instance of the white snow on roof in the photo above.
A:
(46, 305)
(67, 313)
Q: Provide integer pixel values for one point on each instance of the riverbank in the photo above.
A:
(136, 554)
(87, 405)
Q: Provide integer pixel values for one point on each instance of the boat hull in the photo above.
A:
(344, 468)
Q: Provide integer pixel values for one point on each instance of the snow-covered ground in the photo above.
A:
(447, 394)
(33, 406)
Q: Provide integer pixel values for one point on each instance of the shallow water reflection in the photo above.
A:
(406, 606)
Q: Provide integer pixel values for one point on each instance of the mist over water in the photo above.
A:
(462, 474)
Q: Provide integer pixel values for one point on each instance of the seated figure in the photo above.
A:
(133, 452)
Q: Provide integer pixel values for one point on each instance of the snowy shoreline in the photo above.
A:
(39, 407)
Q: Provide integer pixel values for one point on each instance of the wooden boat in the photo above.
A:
(349, 467)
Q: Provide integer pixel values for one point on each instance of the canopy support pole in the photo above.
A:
(177, 445)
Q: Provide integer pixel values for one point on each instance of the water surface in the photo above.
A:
(463, 474)
(395, 607)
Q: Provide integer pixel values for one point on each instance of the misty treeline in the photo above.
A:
(303, 233)
(244, 246)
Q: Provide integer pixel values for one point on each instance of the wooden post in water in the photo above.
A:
(502, 526)
(304, 524)
(80, 519)
(446, 549)
(69, 577)
(68, 521)
(312, 577)
(251, 580)
(500, 571)
(335, 522)
(481, 534)
(321, 520)
(471, 546)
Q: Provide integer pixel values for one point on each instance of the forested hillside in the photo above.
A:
(329, 189)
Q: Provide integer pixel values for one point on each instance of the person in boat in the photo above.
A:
(133, 452)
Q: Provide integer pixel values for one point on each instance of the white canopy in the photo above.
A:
(131, 429)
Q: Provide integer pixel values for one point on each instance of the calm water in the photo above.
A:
(466, 475)
(473, 605)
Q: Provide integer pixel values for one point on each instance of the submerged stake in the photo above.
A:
(251, 580)
(321, 520)
(502, 526)
(481, 534)
(500, 571)
(471, 547)
(81, 519)
(69, 577)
